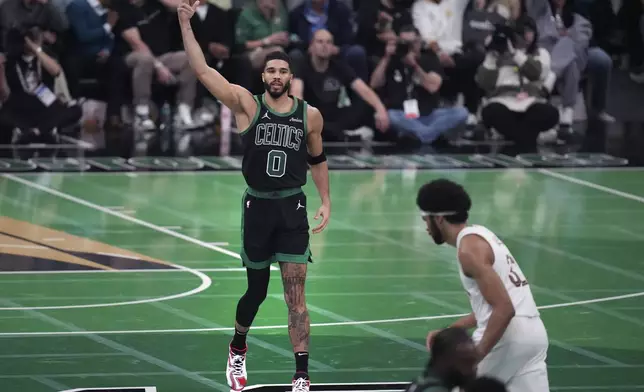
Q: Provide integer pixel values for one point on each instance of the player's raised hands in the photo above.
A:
(186, 9)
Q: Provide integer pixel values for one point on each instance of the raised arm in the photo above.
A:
(238, 99)
(319, 166)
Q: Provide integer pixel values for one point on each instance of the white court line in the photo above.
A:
(589, 184)
(118, 255)
(235, 172)
(125, 349)
(205, 283)
(18, 246)
(332, 324)
(128, 218)
(54, 272)
(55, 385)
(63, 355)
(281, 371)
(117, 214)
(205, 279)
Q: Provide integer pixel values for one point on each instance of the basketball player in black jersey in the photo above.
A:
(282, 136)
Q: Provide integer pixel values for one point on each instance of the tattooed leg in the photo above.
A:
(299, 323)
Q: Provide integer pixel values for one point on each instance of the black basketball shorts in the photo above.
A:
(275, 228)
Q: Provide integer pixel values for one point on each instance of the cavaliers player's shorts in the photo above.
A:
(519, 358)
(275, 228)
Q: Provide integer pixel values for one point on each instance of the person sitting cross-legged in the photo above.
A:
(411, 79)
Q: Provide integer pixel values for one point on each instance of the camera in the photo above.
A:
(402, 48)
(503, 33)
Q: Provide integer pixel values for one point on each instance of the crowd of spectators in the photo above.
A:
(408, 69)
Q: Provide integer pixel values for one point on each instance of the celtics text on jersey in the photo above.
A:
(275, 150)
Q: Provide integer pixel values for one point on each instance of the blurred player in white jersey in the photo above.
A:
(511, 339)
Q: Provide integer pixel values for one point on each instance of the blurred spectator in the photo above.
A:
(617, 30)
(478, 24)
(410, 80)
(262, 27)
(27, 13)
(517, 78)
(324, 82)
(380, 22)
(334, 16)
(90, 52)
(440, 23)
(143, 38)
(508, 9)
(32, 107)
(566, 36)
(215, 32)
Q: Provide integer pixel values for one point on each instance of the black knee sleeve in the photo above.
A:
(255, 294)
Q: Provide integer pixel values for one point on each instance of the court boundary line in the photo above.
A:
(588, 184)
(128, 218)
(330, 324)
(117, 214)
(116, 346)
(234, 171)
(71, 272)
(206, 282)
(280, 371)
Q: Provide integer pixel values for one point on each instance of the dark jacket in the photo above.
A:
(88, 28)
(339, 23)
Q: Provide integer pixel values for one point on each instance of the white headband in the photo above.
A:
(442, 213)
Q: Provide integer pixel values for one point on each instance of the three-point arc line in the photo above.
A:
(332, 324)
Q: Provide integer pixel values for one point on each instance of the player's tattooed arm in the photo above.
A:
(235, 97)
(476, 258)
(320, 171)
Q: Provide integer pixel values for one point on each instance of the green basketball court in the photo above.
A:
(131, 279)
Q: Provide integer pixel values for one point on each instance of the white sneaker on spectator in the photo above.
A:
(637, 75)
(183, 117)
(142, 120)
(548, 137)
(365, 133)
(604, 116)
(566, 116)
(472, 120)
(206, 116)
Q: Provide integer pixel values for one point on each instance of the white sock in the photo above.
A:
(142, 110)
(185, 113)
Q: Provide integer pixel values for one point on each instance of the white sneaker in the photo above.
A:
(566, 115)
(605, 117)
(301, 383)
(236, 370)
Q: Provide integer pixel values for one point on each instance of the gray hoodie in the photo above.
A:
(563, 49)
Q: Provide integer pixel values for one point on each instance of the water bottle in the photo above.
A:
(164, 127)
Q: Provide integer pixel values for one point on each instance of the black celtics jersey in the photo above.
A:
(275, 151)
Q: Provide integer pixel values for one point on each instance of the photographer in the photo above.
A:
(32, 106)
(410, 81)
(478, 24)
(517, 78)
